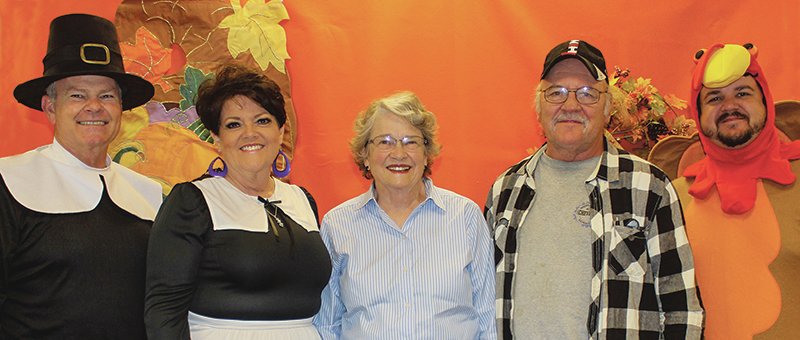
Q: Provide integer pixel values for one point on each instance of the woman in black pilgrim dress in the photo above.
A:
(236, 254)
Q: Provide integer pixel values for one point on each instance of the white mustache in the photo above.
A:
(571, 116)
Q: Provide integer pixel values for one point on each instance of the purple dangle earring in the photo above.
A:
(218, 172)
(286, 168)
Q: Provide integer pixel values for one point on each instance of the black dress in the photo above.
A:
(219, 253)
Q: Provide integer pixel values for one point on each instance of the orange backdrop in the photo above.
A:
(473, 63)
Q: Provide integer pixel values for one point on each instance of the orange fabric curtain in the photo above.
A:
(474, 63)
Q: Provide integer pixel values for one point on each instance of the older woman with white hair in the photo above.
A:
(410, 260)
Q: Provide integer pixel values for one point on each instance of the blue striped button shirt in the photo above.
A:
(432, 279)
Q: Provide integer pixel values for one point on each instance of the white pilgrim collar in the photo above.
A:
(51, 180)
(233, 209)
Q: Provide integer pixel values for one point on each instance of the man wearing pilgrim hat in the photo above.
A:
(74, 225)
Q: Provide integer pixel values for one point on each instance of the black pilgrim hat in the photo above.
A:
(83, 44)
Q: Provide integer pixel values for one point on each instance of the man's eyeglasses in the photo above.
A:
(388, 142)
(585, 95)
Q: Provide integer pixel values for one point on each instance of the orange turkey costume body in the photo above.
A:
(742, 211)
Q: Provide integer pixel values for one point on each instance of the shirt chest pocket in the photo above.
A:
(628, 249)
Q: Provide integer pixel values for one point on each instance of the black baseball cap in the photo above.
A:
(589, 55)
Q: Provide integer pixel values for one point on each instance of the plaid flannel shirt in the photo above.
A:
(644, 283)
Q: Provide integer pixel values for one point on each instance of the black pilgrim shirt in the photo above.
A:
(72, 275)
(227, 262)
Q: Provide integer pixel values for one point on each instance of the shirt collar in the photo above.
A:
(607, 168)
(430, 195)
(58, 153)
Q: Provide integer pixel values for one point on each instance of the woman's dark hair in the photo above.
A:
(233, 80)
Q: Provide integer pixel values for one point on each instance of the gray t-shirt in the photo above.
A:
(552, 287)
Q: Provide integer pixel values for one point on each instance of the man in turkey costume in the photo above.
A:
(741, 201)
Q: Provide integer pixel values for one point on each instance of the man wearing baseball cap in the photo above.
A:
(74, 225)
(590, 241)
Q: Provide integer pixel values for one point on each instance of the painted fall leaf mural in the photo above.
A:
(148, 59)
(193, 78)
(256, 28)
(177, 45)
